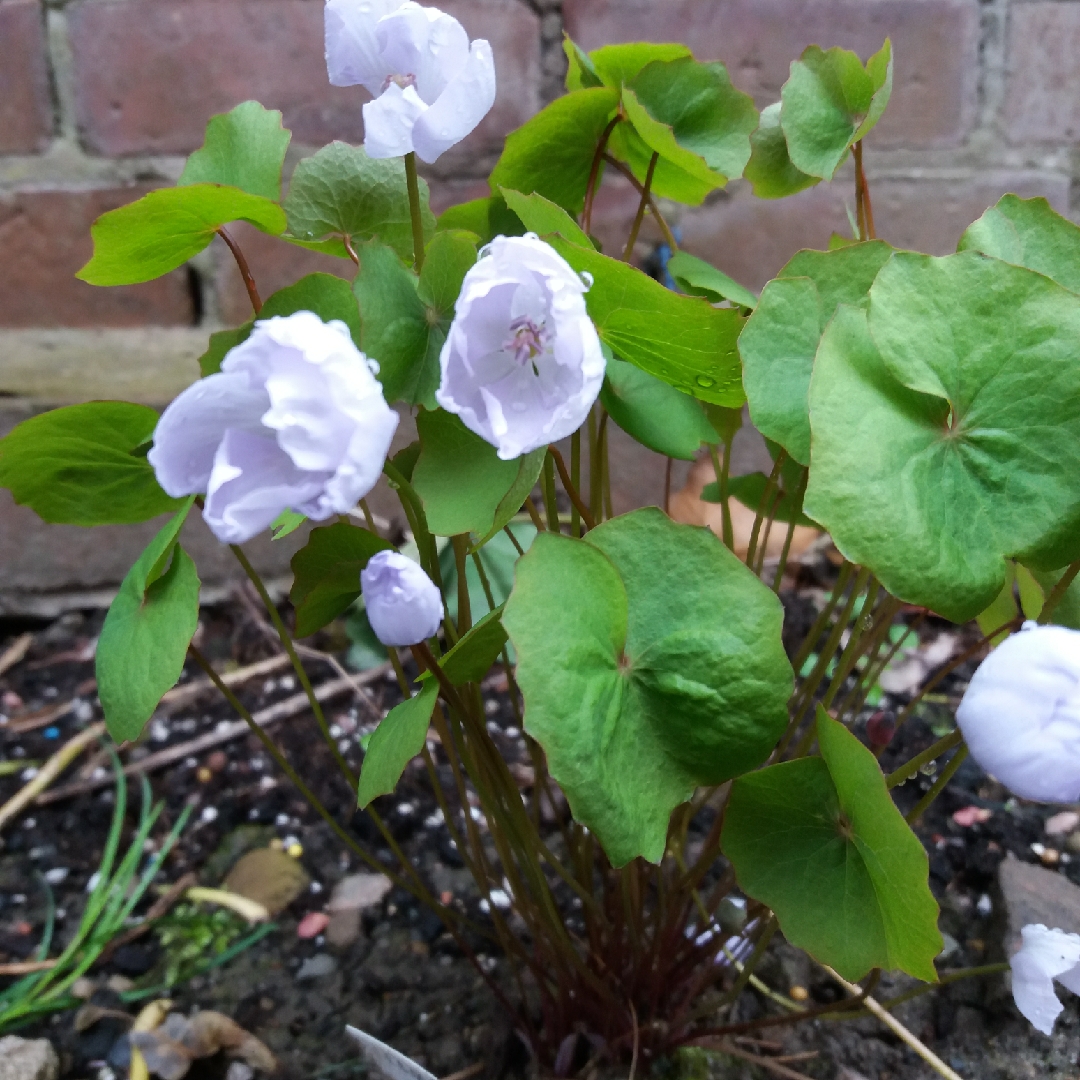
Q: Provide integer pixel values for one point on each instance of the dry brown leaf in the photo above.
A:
(269, 877)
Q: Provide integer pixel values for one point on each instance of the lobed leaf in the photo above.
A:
(820, 841)
(85, 465)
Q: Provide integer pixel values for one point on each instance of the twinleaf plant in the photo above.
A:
(920, 410)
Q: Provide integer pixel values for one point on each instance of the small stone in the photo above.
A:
(312, 924)
(204, 775)
(1062, 824)
(238, 1070)
(350, 897)
(949, 945)
(272, 878)
(217, 761)
(1034, 895)
(316, 967)
(971, 815)
(798, 993)
(28, 1059)
(1050, 857)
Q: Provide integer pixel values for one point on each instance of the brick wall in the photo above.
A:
(101, 100)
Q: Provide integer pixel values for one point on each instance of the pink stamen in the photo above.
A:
(527, 340)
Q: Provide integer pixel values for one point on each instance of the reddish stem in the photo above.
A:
(245, 271)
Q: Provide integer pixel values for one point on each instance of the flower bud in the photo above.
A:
(1045, 955)
(522, 364)
(431, 86)
(295, 420)
(1020, 715)
(403, 605)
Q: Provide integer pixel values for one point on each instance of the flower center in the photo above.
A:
(404, 81)
(527, 340)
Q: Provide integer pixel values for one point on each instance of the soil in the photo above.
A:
(404, 980)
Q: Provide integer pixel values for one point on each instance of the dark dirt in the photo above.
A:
(405, 980)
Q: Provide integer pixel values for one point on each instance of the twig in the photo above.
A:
(281, 710)
(464, 1074)
(251, 910)
(50, 771)
(899, 1030)
(15, 652)
(770, 1064)
(42, 718)
(181, 695)
(26, 967)
(161, 906)
(637, 1043)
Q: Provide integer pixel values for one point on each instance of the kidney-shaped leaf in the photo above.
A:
(770, 170)
(85, 465)
(144, 639)
(1028, 232)
(341, 192)
(327, 573)
(244, 148)
(699, 278)
(945, 431)
(831, 101)
(162, 230)
(779, 340)
(394, 743)
(820, 841)
(460, 478)
(680, 339)
(650, 660)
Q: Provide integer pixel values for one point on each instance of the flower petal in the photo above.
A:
(1044, 955)
(424, 44)
(252, 481)
(389, 122)
(352, 48)
(465, 101)
(189, 431)
(1020, 715)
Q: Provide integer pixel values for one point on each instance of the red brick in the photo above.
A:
(150, 73)
(751, 239)
(1042, 94)
(935, 43)
(45, 239)
(26, 119)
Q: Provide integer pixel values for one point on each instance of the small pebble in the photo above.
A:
(10, 701)
(1062, 824)
(972, 815)
(83, 711)
(209, 814)
(799, 993)
(312, 924)
(57, 875)
(316, 967)
(1050, 857)
(217, 761)
(51, 733)
(984, 906)
(204, 775)
(295, 850)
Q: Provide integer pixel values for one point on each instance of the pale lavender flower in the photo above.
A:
(522, 364)
(1020, 715)
(295, 420)
(1045, 955)
(431, 87)
(403, 605)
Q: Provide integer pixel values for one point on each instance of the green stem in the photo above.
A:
(575, 484)
(642, 205)
(1058, 592)
(413, 184)
(910, 768)
(722, 469)
(789, 536)
(301, 674)
(939, 785)
(464, 607)
(761, 945)
(770, 487)
(547, 490)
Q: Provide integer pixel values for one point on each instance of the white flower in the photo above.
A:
(403, 605)
(522, 364)
(431, 87)
(1021, 713)
(295, 420)
(1045, 955)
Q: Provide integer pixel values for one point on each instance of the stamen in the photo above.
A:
(527, 340)
(404, 81)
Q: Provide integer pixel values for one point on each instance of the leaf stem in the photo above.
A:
(571, 489)
(1058, 591)
(594, 173)
(722, 469)
(619, 167)
(940, 783)
(932, 753)
(628, 251)
(245, 270)
(413, 184)
(863, 208)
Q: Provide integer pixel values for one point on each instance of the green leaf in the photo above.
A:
(820, 841)
(831, 101)
(327, 296)
(485, 218)
(327, 573)
(946, 437)
(552, 153)
(698, 278)
(85, 465)
(471, 658)
(680, 339)
(1028, 232)
(543, 217)
(617, 65)
(769, 170)
(580, 73)
(340, 191)
(780, 339)
(245, 149)
(657, 415)
(162, 230)
(651, 662)
(395, 742)
(691, 115)
(460, 478)
(144, 640)
(405, 319)
(286, 523)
